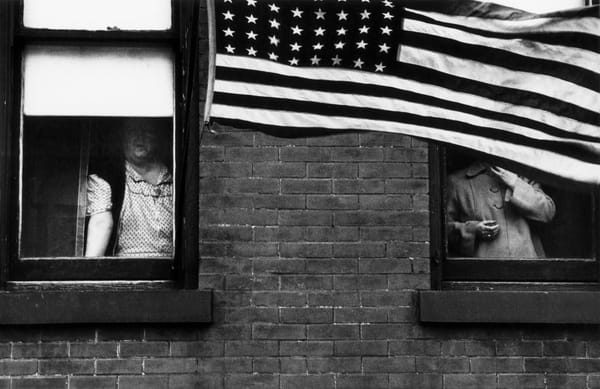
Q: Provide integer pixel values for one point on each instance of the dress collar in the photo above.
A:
(163, 177)
(475, 169)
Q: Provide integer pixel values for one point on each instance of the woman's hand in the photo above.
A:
(488, 229)
(509, 178)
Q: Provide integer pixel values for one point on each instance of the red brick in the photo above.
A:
(386, 331)
(262, 139)
(386, 298)
(360, 381)
(258, 381)
(384, 170)
(382, 265)
(574, 365)
(332, 234)
(331, 265)
(196, 349)
(66, 366)
(146, 382)
(144, 349)
(254, 154)
(265, 365)
(228, 138)
(388, 364)
(334, 298)
(301, 381)
(226, 233)
(222, 201)
(279, 234)
(361, 348)
(196, 381)
(249, 282)
(305, 250)
(306, 348)
(304, 282)
(360, 282)
(442, 365)
(469, 381)
(39, 383)
(416, 380)
(39, 350)
(336, 139)
(403, 250)
(386, 233)
(333, 331)
(564, 348)
(224, 365)
(279, 331)
(384, 139)
(19, 367)
(94, 350)
(305, 186)
(359, 250)
(306, 315)
(305, 154)
(226, 332)
(339, 365)
(119, 366)
(291, 365)
(304, 218)
(251, 314)
(170, 365)
(416, 347)
(251, 348)
(358, 186)
(521, 381)
(212, 153)
(410, 281)
(279, 169)
(280, 298)
(412, 186)
(251, 185)
(225, 169)
(355, 154)
(84, 382)
(332, 170)
(360, 315)
(279, 201)
(549, 365)
(554, 381)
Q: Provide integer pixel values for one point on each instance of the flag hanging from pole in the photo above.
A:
(514, 85)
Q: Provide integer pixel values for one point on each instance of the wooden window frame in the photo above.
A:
(555, 290)
(163, 281)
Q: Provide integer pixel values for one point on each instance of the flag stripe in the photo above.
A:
(324, 109)
(529, 49)
(421, 108)
(491, 74)
(397, 88)
(555, 31)
(282, 121)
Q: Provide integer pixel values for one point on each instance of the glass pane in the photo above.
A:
(493, 212)
(97, 187)
(97, 15)
(98, 81)
(538, 6)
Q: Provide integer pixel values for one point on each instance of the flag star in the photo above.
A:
(273, 56)
(293, 61)
(252, 19)
(341, 31)
(386, 30)
(273, 8)
(320, 14)
(380, 67)
(273, 40)
(340, 45)
(230, 49)
(388, 15)
(358, 63)
(297, 13)
(388, 3)
(364, 30)
(252, 35)
(251, 51)
(295, 46)
(229, 32)
(228, 15)
(251, 3)
(364, 14)
(384, 48)
(315, 60)
(342, 15)
(336, 61)
(318, 46)
(297, 30)
(361, 45)
(320, 31)
(274, 23)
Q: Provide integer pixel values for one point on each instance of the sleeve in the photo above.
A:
(99, 195)
(462, 235)
(532, 202)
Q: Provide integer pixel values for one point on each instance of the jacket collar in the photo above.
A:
(475, 169)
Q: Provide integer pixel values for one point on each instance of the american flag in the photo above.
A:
(514, 85)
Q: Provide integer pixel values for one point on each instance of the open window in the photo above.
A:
(90, 87)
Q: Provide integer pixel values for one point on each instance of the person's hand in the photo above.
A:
(509, 178)
(487, 229)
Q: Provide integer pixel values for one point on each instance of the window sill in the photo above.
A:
(94, 306)
(552, 307)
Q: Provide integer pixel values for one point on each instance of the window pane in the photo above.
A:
(98, 81)
(515, 217)
(97, 186)
(97, 14)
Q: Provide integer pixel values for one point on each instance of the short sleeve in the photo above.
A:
(99, 196)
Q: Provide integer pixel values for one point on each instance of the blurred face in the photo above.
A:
(139, 144)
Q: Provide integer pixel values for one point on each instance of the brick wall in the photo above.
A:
(315, 248)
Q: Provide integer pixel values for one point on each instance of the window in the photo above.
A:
(94, 90)
(554, 278)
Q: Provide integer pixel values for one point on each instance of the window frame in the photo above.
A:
(182, 38)
(469, 273)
